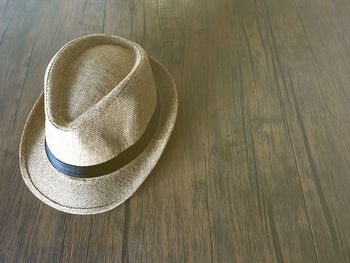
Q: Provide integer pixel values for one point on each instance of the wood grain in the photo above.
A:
(258, 167)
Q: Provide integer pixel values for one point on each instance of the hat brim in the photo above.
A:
(98, 194)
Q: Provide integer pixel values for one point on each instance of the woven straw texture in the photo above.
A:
(100, 92)
(93, 82)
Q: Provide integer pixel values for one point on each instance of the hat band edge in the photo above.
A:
(113, 164)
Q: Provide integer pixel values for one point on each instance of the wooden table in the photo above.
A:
(258, 167)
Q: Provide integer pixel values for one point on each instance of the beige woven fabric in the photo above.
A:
(95, 82)
(100, 92)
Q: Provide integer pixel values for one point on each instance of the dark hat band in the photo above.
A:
(113, 164)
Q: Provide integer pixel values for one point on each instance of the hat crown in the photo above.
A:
(99, 97)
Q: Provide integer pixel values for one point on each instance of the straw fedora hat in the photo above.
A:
(99, 127)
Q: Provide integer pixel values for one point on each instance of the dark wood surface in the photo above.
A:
(258, 167)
